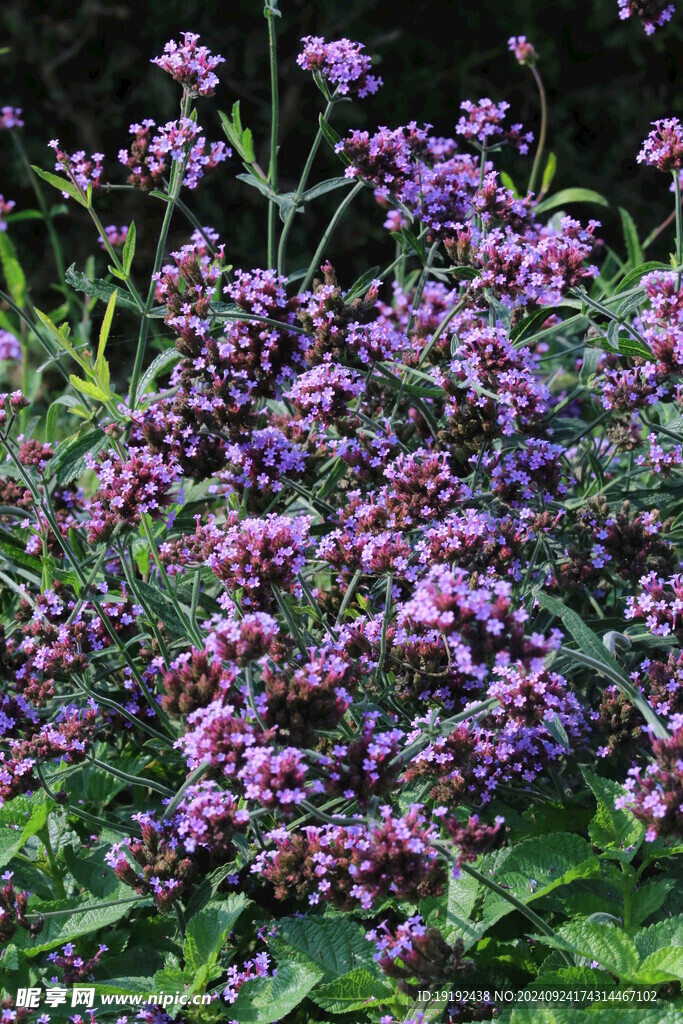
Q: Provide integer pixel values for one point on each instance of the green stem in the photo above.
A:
(271, 12)
(299, 192)
(679, 225)
(132, 780)
(55, 872)
(193, 777)
(320, 251)
(175, 185)
(350, 591)
(47, 217)
(191, 631)
(544, 128)
(85, 910)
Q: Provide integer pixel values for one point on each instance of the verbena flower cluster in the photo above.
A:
(317, 618)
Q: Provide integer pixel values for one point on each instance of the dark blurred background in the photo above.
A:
(81, 71)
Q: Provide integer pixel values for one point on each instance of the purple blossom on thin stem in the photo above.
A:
(341, 63)
(190, 65)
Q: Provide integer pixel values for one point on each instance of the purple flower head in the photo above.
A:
(6, 206)
(652, 13)
(482, 123)
(663, 148)
(523, 50)
(10, 349)
(78, 168)
(190, 65)
(341, 63)
(10, 117)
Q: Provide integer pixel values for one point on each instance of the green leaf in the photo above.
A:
(165, 360)
(638, 272)
(594, 654)
(354, 991)
(570, 195)
(324, 187)
(160, 605)
(331, 136)
(97, 287)
(661, 935)
(335, 945)
(208, 931)
(86, 916)
(61, 338)
(534, 868)
(661, 966)
(240, 137)
(634, 349)
(509, 183)
(361, 284)
(617, 831)
(265, 1000)
(633, 247)
(20, 819)
(11, 268)
(129, 249)
(60, 183)
(536, 319)
(548, 172)
(68, 463)
(106, 323)
(86, 387)
(605, 943)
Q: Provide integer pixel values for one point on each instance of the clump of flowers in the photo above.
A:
(652, 13)
(655, 793)
(191, 65)
(341, 63)
(142, 485)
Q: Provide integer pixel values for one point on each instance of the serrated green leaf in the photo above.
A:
(534, 868)
(97, 287)
(86, 387)
(61, 338)
(661, 966)
(20, 819)
(649, 897)
(86, 917)
(106, 324)
(129, 249)
(208, 931)
(161, 607)
(661, 935)
(265, 1000)
(353, 991)
(60, 183)
(613, 950)
(69, 461)
(335, 945)
(616, 830)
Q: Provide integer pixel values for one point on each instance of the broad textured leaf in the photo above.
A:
(608, 945)
(661, 966)
(335, 945)
(357, 990)
(649, 897)
(616, 830)
(86, 917)
(208, 931)
(20, 818)
(265, 1000)
(535, 867)
(659, 936)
